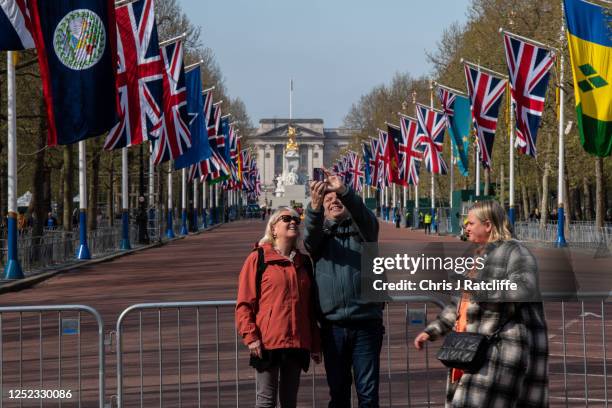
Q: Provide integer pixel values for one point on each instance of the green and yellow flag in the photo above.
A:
(589, 37)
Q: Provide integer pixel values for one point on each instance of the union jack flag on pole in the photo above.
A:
(431, 137)
(485, 89)
(139, 75)
(384, 165)
(172, 136)
(529, 68)
(410, 150)
(375, 163)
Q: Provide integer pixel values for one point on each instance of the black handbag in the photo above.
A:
(467, 351)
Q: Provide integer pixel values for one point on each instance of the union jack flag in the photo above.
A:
(431, 137)
(356, 170)
(172, 135)
(375, 163)
(410, 151)
(529, 68)
(139, 75)
(447, 99)
(384, 164)
(485, 91)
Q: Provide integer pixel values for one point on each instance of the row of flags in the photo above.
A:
(103, 70)
(395, 156)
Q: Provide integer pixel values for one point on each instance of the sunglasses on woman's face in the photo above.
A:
(289, 218)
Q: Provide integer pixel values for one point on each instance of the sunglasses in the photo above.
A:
(289, 218)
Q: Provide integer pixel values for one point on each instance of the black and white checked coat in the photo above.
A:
(516, 371)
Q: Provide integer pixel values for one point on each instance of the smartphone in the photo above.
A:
(318, 174)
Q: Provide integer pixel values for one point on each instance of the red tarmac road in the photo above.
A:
(206, 267)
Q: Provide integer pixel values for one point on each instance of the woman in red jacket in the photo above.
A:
(275, 311)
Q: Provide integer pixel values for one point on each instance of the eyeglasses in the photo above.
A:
(289, 218)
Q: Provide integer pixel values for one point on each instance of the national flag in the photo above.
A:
(431, 138)
(357, 172)
(384, 150)
(139, 75)
(172, 137)
(589, 38)
(76, 46)
(15, 26)
(367, 163)
(396, 136)
(458, 118)
(410, 151)
(376, 163)
(485, 91)
(196, 109)
(529, 68)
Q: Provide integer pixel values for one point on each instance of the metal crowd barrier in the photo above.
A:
(577, 234)
(52, 354)
(188, 354)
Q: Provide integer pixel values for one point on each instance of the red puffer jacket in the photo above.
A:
(284, 317)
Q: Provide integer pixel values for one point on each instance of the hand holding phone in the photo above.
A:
(318, 174)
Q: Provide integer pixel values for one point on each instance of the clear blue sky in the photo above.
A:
(336, 50)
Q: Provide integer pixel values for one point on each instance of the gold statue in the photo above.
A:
(291, 144)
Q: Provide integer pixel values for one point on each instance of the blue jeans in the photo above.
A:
(355, 345)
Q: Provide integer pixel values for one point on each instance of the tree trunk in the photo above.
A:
(487, 177)
(575, 198)
(525, 196)
(94, 188)
(37, 205)
(588, 208)
(599, 193)
(68, 184)
(502, 186)
(566, 199)
(545, 193)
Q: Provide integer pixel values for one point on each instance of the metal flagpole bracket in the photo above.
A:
(217, 103)
(173, 40)
(403, 115)
(212, 88)
(194, 65)
(392, 125)
(448, 88)
(226, 116)
(483, 69)
(430, 108)
(529, 40)
(122, 3)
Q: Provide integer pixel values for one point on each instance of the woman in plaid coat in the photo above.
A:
(515, 373)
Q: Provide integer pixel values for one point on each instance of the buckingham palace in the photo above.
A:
(314, 145)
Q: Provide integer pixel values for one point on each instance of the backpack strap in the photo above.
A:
(261, 267)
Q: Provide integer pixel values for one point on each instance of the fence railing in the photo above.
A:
(188, 354)
(52, 353)
(579, 234)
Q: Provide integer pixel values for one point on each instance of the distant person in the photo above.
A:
(427, 223)
(263, 214)
(21, 223)
(398, 218)
(51, 221)
(275, 311)
(420, 220)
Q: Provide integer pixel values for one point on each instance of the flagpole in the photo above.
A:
(12, 268)
(511, 210)
(404, 201)
(196, 201)
(477, 164)
(184, 230)
(152, 188)
(125, 203)
(204, 204)
(433, 180)
(170, 214)
(83, 250)
(561, 242)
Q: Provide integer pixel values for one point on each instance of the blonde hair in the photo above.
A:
(493, 212)
(268, 237)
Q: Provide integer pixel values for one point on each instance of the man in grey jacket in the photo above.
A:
(337, 223)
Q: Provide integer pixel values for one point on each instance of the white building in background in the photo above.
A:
(318, 146)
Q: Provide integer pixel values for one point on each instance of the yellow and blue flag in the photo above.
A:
(589, 37)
